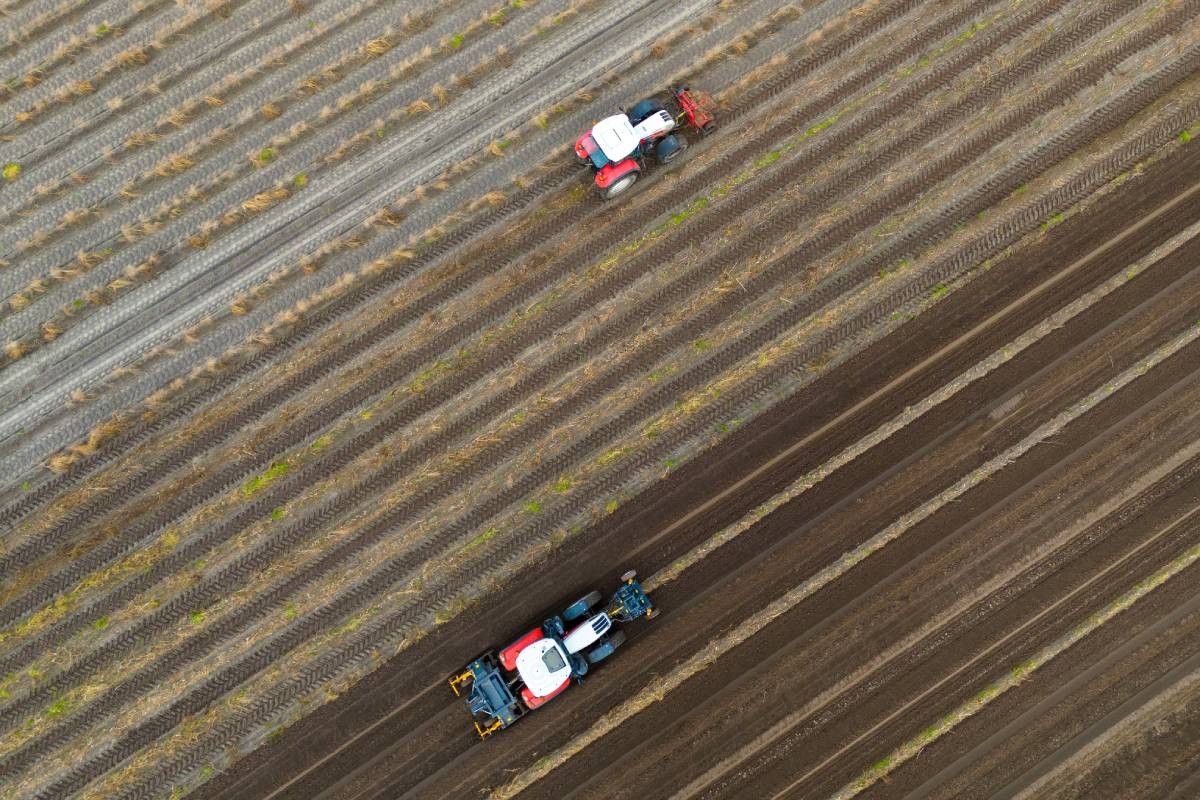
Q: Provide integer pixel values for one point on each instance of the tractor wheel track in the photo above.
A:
(846, 734)
(774, 651)
(304, 429)
(330, 559)
(676, 595)
(939, 434)
(256, 510)
(22, 557)
(440, 653)
(329, 666)
(1031, 742)
(42, 494)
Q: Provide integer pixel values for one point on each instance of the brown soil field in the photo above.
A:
(887, 389)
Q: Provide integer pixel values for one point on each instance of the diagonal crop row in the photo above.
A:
(106, 426)
(170, 202)
(82, 57)
(665, 203)
(28, 66)
(554, 224)
(123, 64)
(155, 124)
(249, 209)
(333, 663)
(357, 33)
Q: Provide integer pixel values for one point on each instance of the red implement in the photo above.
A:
(698, 108)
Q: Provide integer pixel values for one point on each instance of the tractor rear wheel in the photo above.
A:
(620, 185)
(606, 647)
(669, 148)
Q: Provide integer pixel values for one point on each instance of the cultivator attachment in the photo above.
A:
(459, 680)
(489, 696)
(697, 107)
(485, 731)
(630, 601)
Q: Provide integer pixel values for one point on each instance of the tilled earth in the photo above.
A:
(888, 391)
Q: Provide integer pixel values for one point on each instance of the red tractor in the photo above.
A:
(502, 687)
(616, 147)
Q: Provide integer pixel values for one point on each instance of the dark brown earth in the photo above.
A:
(937, 207)
(400, 733)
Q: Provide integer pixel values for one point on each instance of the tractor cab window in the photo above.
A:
(553, 660)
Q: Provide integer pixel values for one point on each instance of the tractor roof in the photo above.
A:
(616, 137)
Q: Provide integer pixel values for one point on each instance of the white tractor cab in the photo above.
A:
(545, 666)
(616, 147)
(506, 685)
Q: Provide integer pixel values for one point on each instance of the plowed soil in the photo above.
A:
(888, 390)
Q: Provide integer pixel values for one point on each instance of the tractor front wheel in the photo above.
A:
(619, 185)
(582, 606)
(670, 148)
(628, 575)
(642, 110)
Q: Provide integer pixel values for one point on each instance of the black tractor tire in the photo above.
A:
(616, 639)
(669, 148)
(580, 608)
(642, 109)
(620, 186)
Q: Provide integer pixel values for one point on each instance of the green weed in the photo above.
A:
(768, 159)
(481, 539)
(1050, 223)
(301, 180)
(533, 507)
(456, 41)
(11, 170)
(196, 617)
(700, 345)
(102, 29)
(939, 291)
(276, 470)
(58, 707)
(611, 506)
(278, 513)
(100, 624)
(562, 485)
(820, 126)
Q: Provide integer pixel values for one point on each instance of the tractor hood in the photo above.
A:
(587, 632)
(616, 137)
(543, 667)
